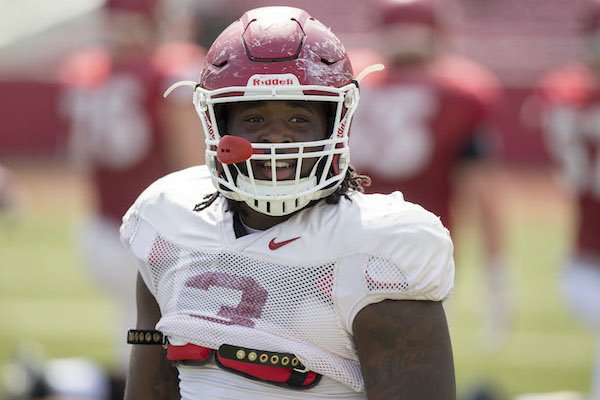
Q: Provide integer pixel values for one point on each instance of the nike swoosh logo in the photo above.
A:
(273, 245)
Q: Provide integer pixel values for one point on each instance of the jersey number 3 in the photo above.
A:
(220, 287)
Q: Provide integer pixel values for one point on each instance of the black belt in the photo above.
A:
(241, 354)
(143, 336)
(261, 357)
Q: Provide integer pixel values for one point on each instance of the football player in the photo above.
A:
(119, 136)
(426, 129)
(267, 273)
(570, 109)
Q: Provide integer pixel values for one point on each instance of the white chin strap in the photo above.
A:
(274, 206)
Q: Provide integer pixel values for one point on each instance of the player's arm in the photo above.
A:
(151, 376)
(405, 350)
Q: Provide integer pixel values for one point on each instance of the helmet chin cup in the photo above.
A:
(279, 202)
(238, 180)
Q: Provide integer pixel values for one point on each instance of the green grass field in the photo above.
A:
(45, 298)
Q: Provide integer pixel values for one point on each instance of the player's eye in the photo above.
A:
(299, 119)
(253, 119)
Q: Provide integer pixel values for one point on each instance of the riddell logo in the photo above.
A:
(341, 129)
(211, 131)
(273, 80)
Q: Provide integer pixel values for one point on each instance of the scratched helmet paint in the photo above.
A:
(277, 53)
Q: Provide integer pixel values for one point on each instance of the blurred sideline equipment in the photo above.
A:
(29, 376)
(552, 396)
(569, 107)
(124, 135)
(427, 129)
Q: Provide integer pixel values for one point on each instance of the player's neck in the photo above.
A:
(255, 220)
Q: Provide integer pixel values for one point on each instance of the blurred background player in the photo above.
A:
(569, 98)
(126, 135)
(426, 129)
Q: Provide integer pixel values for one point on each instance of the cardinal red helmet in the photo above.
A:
(277, 53)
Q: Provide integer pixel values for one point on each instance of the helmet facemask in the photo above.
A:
(330, 156)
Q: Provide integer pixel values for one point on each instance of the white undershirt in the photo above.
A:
(211, 382)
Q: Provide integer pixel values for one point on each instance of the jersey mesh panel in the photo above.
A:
(162, 256)
(383, 275)
(235, 299)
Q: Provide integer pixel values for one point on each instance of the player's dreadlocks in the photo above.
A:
(206, 201)
(352, 182)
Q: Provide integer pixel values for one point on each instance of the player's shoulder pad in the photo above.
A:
(406, 252)
(175, 182)
(166, 205)
(385, 225)
(183, 188)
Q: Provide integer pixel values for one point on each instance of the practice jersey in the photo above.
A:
(414, 129)
(295, 287)
(571, 114)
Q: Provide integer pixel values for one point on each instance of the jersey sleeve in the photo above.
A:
(143, 230)
(416, 264)
(139, 238)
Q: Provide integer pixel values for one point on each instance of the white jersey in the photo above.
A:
(293, 288)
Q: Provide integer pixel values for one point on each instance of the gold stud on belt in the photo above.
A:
(270, 358)
(141, 336)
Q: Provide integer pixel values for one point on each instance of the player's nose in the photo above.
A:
(277, 133)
